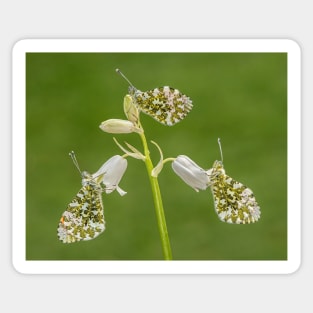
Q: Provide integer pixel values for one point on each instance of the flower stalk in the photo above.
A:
(158, 204)
(121, 126)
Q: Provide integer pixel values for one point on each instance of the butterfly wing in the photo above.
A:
(234, 202)
(165, 104)
(83, 219)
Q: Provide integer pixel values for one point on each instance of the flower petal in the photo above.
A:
(191, 173)
(111, 173)
(121, 191)
(117, 126)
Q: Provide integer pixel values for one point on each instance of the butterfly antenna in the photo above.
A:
(73, 157)
(119, 72)
(220, 145)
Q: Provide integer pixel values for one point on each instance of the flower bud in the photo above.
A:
(192, 174)
(112, 172)
(116, 126)
(130, 109)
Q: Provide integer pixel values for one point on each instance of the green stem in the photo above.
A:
(166, 246)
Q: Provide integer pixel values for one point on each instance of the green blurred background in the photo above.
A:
(239, 97)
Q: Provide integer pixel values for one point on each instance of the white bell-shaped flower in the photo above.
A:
(111, 173)
(117, 126)
(191, 173)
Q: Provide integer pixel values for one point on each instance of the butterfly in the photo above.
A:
(83, 218)
(166, 105)
(234, 202)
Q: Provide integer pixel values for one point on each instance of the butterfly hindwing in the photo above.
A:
(165, 104)
(233, 202)
(84, 218)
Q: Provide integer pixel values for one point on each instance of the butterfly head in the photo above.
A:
(86, 178)
(216, 171)
(132, 90)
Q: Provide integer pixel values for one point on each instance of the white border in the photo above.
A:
(156, 267)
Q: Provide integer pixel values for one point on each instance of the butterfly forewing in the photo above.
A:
(233, 202)
(165, 104)
(83, 219)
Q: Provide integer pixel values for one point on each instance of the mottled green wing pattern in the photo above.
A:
(83, 218)
(165, 104)
(234, 203)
